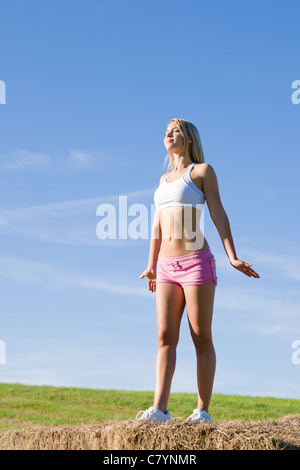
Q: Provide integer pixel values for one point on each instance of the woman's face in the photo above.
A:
(173, 139)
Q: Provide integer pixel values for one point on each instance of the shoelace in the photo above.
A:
(141, 412)
(192, 416)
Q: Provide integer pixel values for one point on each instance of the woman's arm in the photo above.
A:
(155, 242)
(221, 221)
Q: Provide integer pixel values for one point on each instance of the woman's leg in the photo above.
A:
(199, 304)
(170, 305)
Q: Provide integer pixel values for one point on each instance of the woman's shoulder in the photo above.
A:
(203, 169)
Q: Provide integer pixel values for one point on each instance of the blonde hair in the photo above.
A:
(188, 131)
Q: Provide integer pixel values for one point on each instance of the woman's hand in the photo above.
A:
(244, 268)
(150, 274)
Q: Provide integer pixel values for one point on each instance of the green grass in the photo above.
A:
(24, 406)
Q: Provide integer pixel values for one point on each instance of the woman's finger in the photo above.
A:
(253, 273)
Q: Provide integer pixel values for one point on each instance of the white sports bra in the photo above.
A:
(181, 192)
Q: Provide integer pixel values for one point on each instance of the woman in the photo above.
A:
(186, 269)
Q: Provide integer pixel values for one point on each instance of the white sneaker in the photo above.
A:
(200, 415)
(155, 415)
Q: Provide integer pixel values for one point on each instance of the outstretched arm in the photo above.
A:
(221, 221)
(150, 271)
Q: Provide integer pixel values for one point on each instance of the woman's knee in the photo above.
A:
(167, 338)
(203, 343)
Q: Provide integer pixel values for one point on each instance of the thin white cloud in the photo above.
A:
(20, 159)
(51, 276)
(66, 208)
(277, 329)
(278, 304)
(285, 263)
(264, 312)
(83, 159)
(68, 222)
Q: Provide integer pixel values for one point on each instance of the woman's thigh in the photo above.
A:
(170, 304)
(199, 304)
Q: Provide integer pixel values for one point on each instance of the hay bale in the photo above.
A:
(50, 438)
(142, 435)
(185, 436)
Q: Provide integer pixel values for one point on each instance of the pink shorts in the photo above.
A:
(188, 270)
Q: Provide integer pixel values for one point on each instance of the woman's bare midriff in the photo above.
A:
(180, 231)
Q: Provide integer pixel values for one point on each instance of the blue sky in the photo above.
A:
(90, 88)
